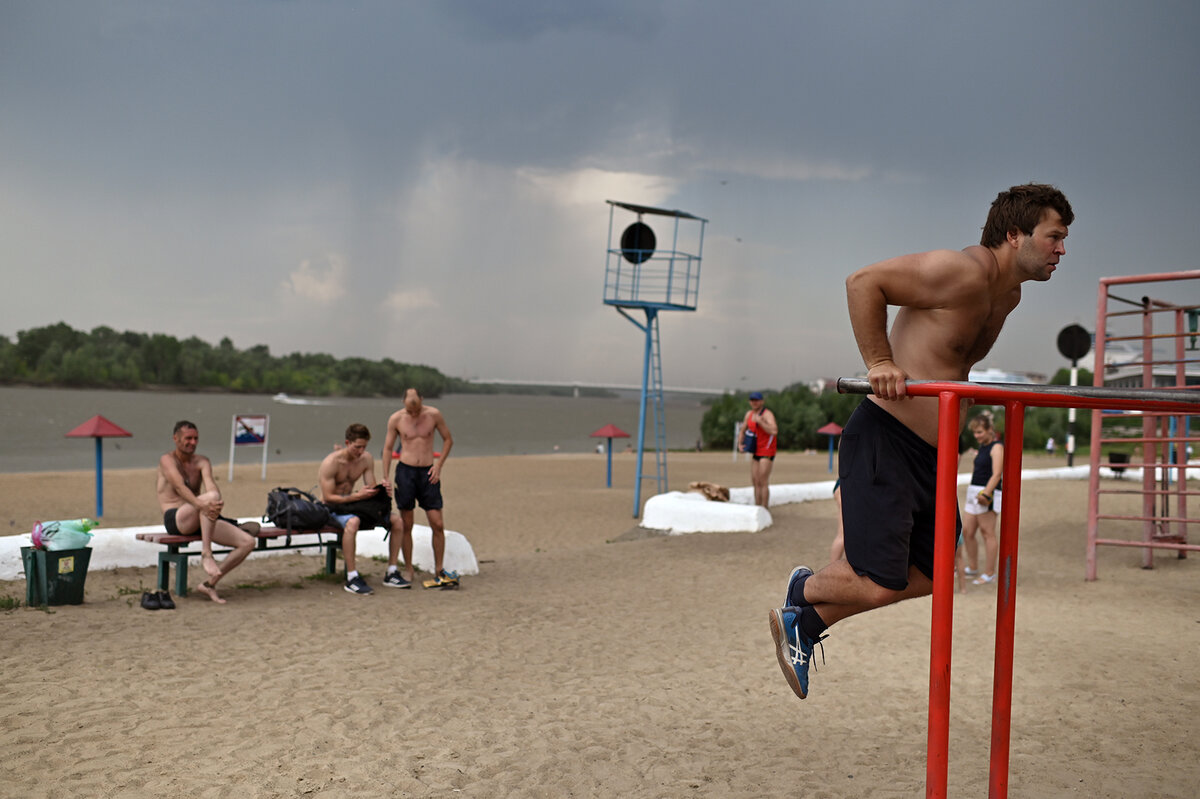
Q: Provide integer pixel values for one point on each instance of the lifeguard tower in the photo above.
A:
(639, 275)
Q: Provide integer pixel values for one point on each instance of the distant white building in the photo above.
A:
(992, 375)
(1123, 368)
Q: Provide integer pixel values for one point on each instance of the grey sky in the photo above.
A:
(426, 180)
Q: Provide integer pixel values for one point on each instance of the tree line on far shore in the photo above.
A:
(800, 412)
(60, 356)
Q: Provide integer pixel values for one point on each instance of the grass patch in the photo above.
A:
(260, 586)
(9, 603)
(322, 577)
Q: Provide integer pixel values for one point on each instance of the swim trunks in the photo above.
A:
(888, 476)
(173, 528)
(413, 486)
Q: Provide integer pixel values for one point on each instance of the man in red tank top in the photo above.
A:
(761, 422)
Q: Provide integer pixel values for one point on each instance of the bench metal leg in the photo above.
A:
(180, 559)
(331, 550)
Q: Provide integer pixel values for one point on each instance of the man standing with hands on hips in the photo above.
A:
(759, 441)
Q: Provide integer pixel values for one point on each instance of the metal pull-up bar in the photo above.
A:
(1014, 397)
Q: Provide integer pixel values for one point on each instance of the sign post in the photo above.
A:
(1073, 342)
(249, 431)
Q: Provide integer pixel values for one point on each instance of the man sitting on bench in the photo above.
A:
(369, 506)
(191, 502)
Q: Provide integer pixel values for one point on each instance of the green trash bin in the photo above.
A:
(55, 577)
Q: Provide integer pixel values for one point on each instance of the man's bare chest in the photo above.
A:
(420, 427)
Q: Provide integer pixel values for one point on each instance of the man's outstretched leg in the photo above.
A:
(814, 602)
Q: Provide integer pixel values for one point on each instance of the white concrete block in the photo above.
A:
(678, 512)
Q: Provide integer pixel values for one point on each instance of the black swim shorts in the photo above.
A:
(413, 486)
(173, 528)
(888, 476)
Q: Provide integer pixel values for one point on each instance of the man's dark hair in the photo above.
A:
(356, 431)
(1021, 208)
(182, 424)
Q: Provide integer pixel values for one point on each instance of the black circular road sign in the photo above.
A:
(1074, 342)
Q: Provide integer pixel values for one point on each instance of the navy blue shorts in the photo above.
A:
(888, 476)
(413, 486)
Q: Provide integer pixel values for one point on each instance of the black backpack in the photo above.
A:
(295, 511)
(374, 511)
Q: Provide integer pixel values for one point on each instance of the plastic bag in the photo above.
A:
(67, 534)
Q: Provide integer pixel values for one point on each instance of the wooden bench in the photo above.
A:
(268, 539)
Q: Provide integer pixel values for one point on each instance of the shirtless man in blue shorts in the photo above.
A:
(418, 478)
(337, 476)
(191, 502)
(952, 307)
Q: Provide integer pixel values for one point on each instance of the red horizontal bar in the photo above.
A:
(1148, 544)
(1185, 519)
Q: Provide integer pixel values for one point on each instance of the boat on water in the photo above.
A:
(286, 399)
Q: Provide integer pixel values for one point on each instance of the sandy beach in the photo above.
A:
(588, 658)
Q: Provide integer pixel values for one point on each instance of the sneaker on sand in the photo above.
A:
(797, 573)
(164, 600)
(793, 648)
(150, 600)
(358, 586)
(394, 580)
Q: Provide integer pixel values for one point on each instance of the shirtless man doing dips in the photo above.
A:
(952, 307)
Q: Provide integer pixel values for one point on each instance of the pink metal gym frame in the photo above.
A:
(1014, 398)
(1161, 528)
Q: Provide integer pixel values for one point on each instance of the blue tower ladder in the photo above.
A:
(652, 390)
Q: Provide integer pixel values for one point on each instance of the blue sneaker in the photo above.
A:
(797, 573)
(394, 580)
(793, 648)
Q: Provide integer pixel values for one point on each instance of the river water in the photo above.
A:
(34, 423)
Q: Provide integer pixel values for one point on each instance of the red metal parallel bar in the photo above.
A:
(1114, 542)
(1159, 309)
(1173, 402)
(937, 762)
(1014, 397)
(1153, 277)
(1161, 492)
(1151, 518)
(1166, 440)
(1153, 335)
(1006, 604)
